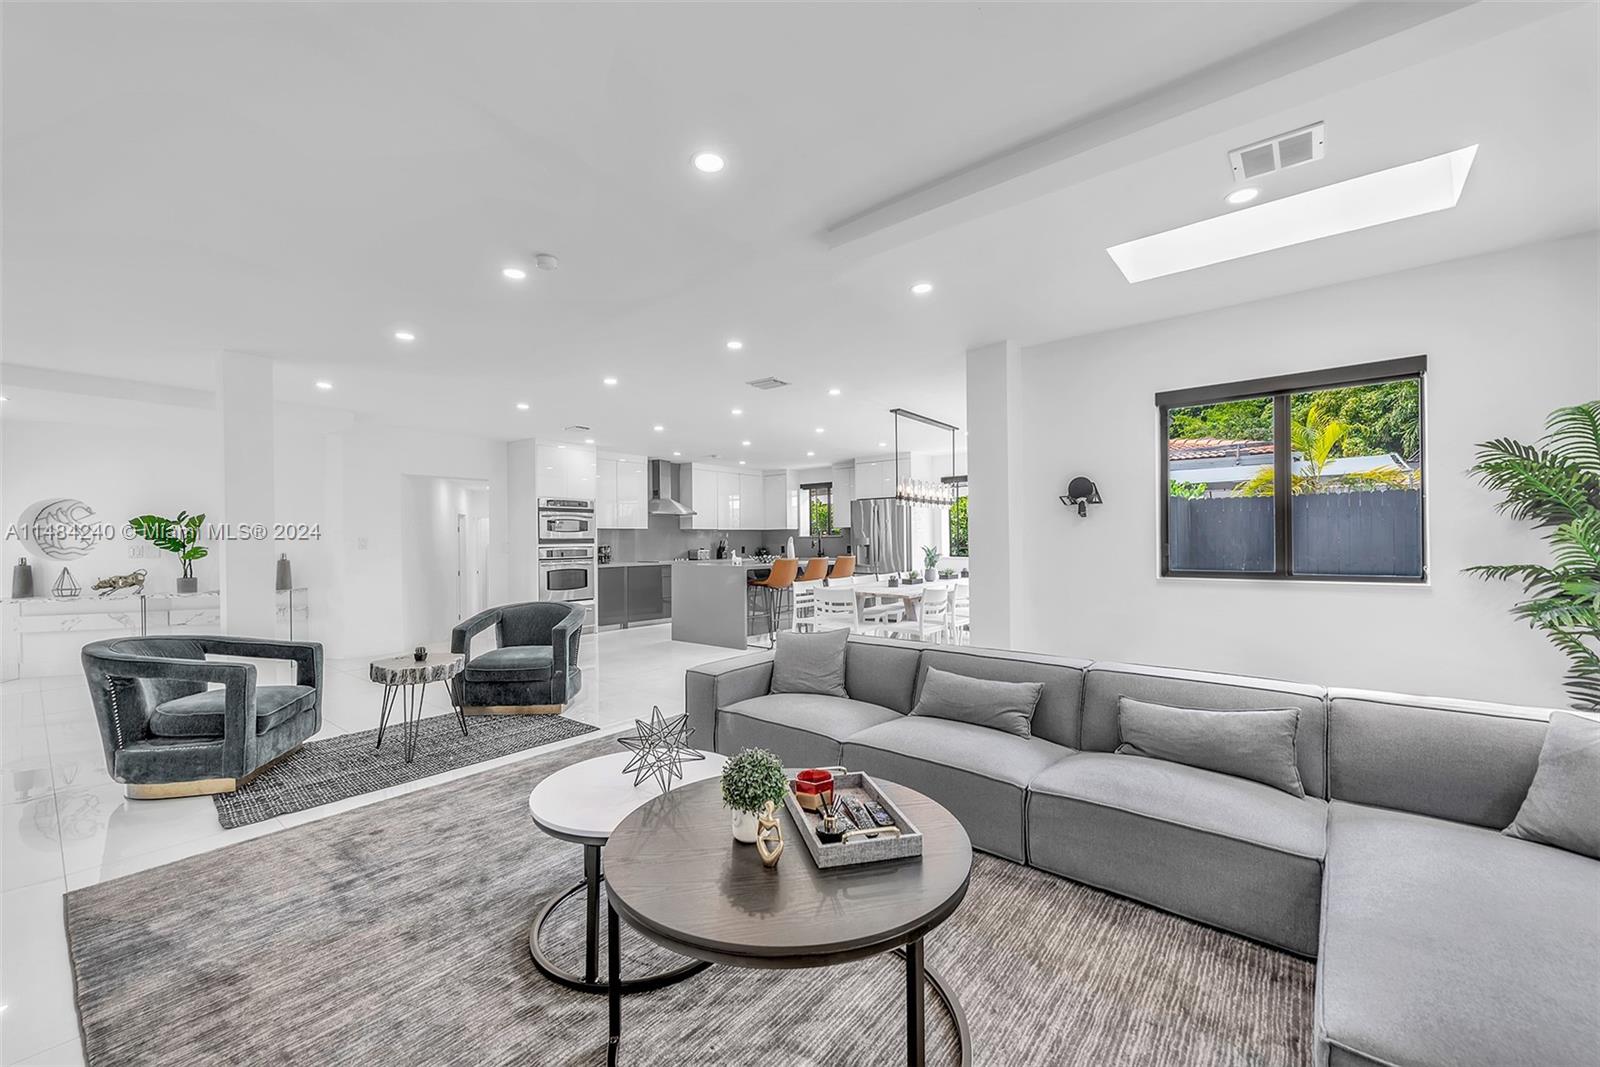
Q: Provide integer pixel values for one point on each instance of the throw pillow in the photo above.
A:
(810, 663)
(1007, 706)
(1258, 745)
(1562, 807)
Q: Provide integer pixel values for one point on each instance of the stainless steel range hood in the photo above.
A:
(664, 489)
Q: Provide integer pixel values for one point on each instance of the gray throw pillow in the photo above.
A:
(1258, 745)
(1562, 807)
(1007, 706)
(810, 663)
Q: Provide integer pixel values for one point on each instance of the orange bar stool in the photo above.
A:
(844, 567)
(816, 570)
(775, 584)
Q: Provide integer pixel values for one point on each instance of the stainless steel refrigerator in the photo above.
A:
(888, 534)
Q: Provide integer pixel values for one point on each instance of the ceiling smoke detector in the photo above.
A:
(546, 261)
(1279, 152)
(767, 383)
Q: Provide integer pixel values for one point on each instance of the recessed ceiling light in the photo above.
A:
(561, 446)
(677, 453)
(833, 392)
(515, 274)
(735, 345)
(820, 429)
(324, 385)
(1402, 192)
(708, 162)
(588, 440)
(810, 453)
(741, 463)
(522, 405)
(404, 335)
(922, 288)
(659, 429)
(737, 411)
(1242, 196)
(744, 444)
(883, 444)
(609, 381)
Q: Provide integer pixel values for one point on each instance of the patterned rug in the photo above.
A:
(351, 764)
(397, 934)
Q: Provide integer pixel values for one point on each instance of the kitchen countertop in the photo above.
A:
(638, 563)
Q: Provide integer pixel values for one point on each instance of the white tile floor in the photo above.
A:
(67, 825)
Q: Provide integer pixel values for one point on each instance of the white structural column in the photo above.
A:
(245, 567)
(994, 385)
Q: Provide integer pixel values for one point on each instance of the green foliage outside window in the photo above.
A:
(1380, 418)
(821, 516)
(1186, 490)
(958, 526)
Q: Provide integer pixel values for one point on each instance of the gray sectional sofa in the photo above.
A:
(1438, 940)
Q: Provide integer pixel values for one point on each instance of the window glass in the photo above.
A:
(1219, 487)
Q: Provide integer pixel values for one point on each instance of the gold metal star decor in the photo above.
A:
(660, 748)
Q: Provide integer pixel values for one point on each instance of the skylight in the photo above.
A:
(1401, 192)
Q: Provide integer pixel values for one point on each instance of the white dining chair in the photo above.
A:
(932, 619)
(961, 613)
(835, 609)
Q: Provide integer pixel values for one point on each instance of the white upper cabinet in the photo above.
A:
(844, 481)
(621, 493)
(605, 493)
(781, 495)
(728, 511)
(753, 503)
(633, 493)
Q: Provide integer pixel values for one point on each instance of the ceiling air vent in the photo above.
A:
(768, 383)
(576, 427)
(1277, 153)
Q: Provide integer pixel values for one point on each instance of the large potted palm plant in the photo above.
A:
(1555, 484)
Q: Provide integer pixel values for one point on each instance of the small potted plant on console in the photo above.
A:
(749, 781)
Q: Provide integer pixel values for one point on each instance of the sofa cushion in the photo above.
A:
(514, 663)
(880, 671)
(1006, 706)
(1563, 803)
(980, 774)
(1106, 683)
(810, 663)
(201, 714)
(1454, 759)
(802, 729)
(1444, 943)
(1056, 716)
(1226, 851)
(1258, 745)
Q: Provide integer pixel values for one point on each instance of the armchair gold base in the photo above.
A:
(517, 709)
(200, 787)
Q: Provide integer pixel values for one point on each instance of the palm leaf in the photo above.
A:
(1574, 433)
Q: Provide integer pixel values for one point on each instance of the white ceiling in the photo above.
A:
(299, 180)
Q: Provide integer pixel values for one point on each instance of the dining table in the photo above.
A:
(909, 596)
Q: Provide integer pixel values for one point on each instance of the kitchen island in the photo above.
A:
(709, 604)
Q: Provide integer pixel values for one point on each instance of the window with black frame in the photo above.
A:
(819, 509)
(1312, 476)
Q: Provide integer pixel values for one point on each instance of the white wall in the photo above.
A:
(1508, 337)
(433, 599)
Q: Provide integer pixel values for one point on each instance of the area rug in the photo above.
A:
(397, 934)
(351, 764)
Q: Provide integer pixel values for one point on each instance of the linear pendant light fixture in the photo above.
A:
(1402, 192)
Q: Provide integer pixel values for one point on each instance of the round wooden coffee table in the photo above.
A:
(674, 872)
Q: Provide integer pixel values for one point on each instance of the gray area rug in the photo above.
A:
(351, 764)
(397, 934)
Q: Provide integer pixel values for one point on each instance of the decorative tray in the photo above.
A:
(901, 840)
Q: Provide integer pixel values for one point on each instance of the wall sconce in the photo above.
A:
(1081, 492)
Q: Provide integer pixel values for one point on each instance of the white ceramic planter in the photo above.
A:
(744, 827)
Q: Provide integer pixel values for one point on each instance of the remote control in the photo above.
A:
(858, 813)
(879, 816)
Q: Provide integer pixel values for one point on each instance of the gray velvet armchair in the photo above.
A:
(536, 663)
(166, 733)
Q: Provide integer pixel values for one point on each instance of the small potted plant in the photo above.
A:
(749, 781)
(930, 562)
(180, 536)
(912, 579)
(947, 573)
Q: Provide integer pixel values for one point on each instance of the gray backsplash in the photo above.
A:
(665, 540)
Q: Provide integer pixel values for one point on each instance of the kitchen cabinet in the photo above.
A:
(727, 500)
(875, 477)
(621, 492)
(844, 481)
(633, 493)
(605, 493)
(635, 593)
(752, 503)
(565, 471)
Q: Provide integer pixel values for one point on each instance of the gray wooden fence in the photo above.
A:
(1367, 534)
